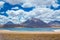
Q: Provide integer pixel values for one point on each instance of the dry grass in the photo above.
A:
(31, 37)
(6, 35)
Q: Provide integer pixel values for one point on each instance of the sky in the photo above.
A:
(18, 11)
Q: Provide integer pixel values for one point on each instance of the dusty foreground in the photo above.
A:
(19, 35)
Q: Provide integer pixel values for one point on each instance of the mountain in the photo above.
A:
(35, 23)
(54, 24)
(10, 25)
(30, 23)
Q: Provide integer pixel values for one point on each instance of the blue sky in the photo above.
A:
(31, 7)
(8, 6)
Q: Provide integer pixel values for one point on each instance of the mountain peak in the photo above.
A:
(35, 23)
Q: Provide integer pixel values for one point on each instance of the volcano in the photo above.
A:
(35, 23)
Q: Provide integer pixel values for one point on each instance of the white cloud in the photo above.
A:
(3, 19)
(13, 2)
(14, 13)
(15, 20)
(30, 3)
(15, 8)
(57, 15)
(16, 17)
(1, 4)
(44, 14)
(40, 11)
(19, 16)
(54, 4)
(27, 5)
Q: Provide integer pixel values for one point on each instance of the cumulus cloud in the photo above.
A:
(54, 4)
(15, 20)
(40, 11)
(3, 19)
(27, 5)
(45, 14)
(14, 13)
(17, 17)
(45, 3)
(15, 8)
(30, 3)
(57, 15)
(1, 4)
(14, 2)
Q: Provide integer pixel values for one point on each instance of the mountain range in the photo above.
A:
(35, 23)
(30, 23)
(54, 24)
